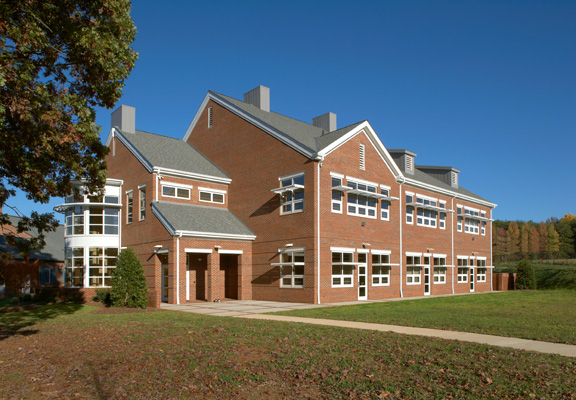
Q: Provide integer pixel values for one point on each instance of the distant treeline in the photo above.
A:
(518, 240)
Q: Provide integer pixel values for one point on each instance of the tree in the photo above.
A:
(513, 235)
(553, 242)
(128, 282)
(58, 60)
(543, 232)
(526, 277)
(534, 241)
(525, 232)
(566, 238)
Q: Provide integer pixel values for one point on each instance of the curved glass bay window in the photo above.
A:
(92, 236)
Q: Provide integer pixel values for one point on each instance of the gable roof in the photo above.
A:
(52, 251)
(201, 221)
(156, 151)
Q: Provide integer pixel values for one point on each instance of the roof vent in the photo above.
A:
(326, 121)
(124, 118)
(259, 97)
(448, 175)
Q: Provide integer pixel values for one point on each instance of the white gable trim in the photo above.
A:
(374, 140)
(253, 120)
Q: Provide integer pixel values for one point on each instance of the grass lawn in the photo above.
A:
(538, 315)
(102, 353)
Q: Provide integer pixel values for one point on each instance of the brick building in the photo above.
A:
(252, 204)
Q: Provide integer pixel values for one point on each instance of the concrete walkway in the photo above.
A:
(254, 309)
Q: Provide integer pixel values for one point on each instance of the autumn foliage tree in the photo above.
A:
(59, 60)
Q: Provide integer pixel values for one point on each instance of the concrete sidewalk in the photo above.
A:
(499, 341)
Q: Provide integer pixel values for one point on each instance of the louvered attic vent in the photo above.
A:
(362, 158)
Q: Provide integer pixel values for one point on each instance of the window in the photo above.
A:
(111, 199)
(381, 269)
(459, 224)
(425, 217)
(292, 269)
(103, 221)
(129, 206)
(362, 158)
(336, 195)
(483, 228)
(413, 269)
(47, 276)
(342, 269)
(439, 269)
(359, 204)
(142, 214)
(75, 221)
(471, 226)
(101, 263)
(291, 194)
(462, 269)
(385, 205)
(212, 195)
(481, 275)
(442, 215)
(179, 192)
(481, 262)
(473, 220)
(409, 210)
(74, 267)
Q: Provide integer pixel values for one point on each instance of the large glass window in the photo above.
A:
(101, 263)
(142, 214)
(381, 269)
(75, 221)
(413, 269)
(292, 199)
(362, 205)
(292, 269)
(74, 267)
(129, 206)
(342, 269)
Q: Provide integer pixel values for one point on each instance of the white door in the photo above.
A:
(426, 280)
(471, 279)
(362, 267)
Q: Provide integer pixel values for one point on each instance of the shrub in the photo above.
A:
(526, 276)
(103, 296)
(128, 282)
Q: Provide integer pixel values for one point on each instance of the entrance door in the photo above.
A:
(471, 279)
(426, 275)
(198, 264)
(165, 277)
(362, 267)
(229, 263)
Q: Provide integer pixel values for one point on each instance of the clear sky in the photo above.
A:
(488, 87)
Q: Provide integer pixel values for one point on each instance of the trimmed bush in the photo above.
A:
(128, 282)
(526, 276)
(103, 296)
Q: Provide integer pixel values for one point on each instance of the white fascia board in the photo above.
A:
(413, 254)
(202, 251)
(147, 164)
(374, 140)
(223, 251)
(109, 138)
(251, 119)
(382, 252)
(215, 235)
(191, 175)
(436, 189)
(343, 249)
(163, 220)
(205, 189)
(114, 182)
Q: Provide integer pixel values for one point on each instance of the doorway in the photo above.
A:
(197, 270)
(362, 267)
(229, 264)
(165, 275)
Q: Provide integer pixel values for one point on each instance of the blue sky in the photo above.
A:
(488, 87)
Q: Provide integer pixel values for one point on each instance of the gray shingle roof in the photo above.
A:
(430, 180)
(167, 152)
(53, 251)
(310, 136)
(195, 218)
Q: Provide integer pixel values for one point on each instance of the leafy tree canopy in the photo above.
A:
(58, 60)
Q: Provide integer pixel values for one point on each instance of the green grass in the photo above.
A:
(164, 354)
(539, 315)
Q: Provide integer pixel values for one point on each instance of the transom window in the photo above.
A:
(211, 196)
(292, 194)
(381, 269)
(176, 192)
(361, 205)
(292, 269)
(342, 269)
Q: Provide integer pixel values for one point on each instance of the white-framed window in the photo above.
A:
(381, 269)
(74, 267)
(384, 204)
(292, 269)
(102, 260)
(292, 198)
(361, 205)
(439, 268)
(463, 269)
(129, 206)
(342, 269)
(409, 209)
(481, 262)
(212, 195)
(442, 216)
(75, 221)
(336, 195)
(471, 226)
(103, 220)
(459, 224)
(142, 202)
(426, 217)
(176, 191)
(483, 228)
(414, 269)
(481, 275)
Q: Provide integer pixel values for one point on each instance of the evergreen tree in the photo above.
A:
(128, 282)
(526, 277)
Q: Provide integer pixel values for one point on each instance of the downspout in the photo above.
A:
(178, 268)
(156, 174)
(452, 247)
(400, 214)
(320, 161)
(491, 261)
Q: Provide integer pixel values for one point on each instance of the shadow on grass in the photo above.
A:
(20, 322)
